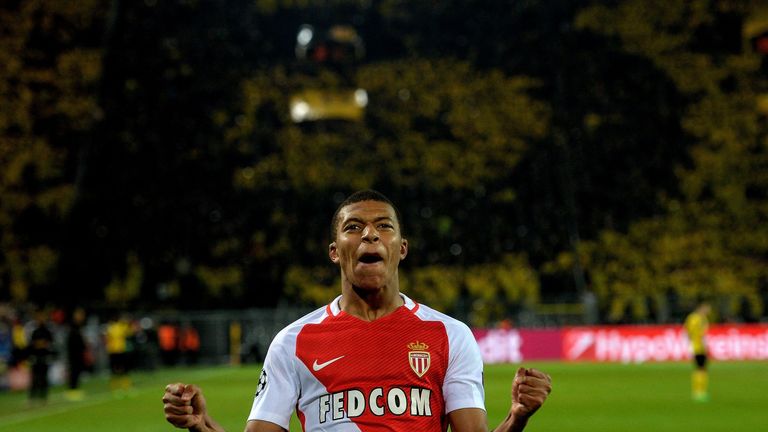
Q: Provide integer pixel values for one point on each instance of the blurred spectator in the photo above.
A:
(117, 334)
(168, 336)
(146, 345)
(18, 372)
(5, 349)
(77, 354)
(40, 357)
(58, 316)
(505, 324)
(133, 344)
(19, 343)
(189, 342)
(591, 313)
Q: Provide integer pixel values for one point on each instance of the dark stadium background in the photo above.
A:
(555, 162)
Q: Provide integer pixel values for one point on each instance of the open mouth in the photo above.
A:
(370, 258)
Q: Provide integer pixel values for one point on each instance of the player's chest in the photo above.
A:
(343, 356)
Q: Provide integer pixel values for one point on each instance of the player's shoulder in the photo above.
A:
(288, 334)
(426, 313)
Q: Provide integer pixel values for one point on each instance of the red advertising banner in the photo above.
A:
(517, 345)
(738, 342)
(626, 344)
(637, 344)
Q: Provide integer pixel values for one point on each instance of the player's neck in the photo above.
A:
(369, 305)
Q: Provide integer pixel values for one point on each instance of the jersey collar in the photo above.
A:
(334, 308)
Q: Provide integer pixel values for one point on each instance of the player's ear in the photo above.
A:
(403, 249)
(333, 253)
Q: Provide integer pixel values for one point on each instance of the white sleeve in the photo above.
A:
(278, 388)
(463, 385)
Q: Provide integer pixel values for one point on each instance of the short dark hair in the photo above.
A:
(359, 196)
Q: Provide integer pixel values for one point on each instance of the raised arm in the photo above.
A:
(184, 407)
(530, 389)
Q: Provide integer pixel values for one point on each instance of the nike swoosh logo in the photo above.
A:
(317, 366)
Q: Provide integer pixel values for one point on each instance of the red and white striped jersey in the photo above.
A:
(402, 372)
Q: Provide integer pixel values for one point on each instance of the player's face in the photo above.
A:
(368, 246)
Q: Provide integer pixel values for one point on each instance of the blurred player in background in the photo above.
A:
(373, 359)
(696, 326)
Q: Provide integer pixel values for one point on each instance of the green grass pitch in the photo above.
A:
(586, 397)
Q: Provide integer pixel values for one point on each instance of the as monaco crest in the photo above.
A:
(419, 358)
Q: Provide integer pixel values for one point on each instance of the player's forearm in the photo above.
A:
(511, 424)
(208, 425)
